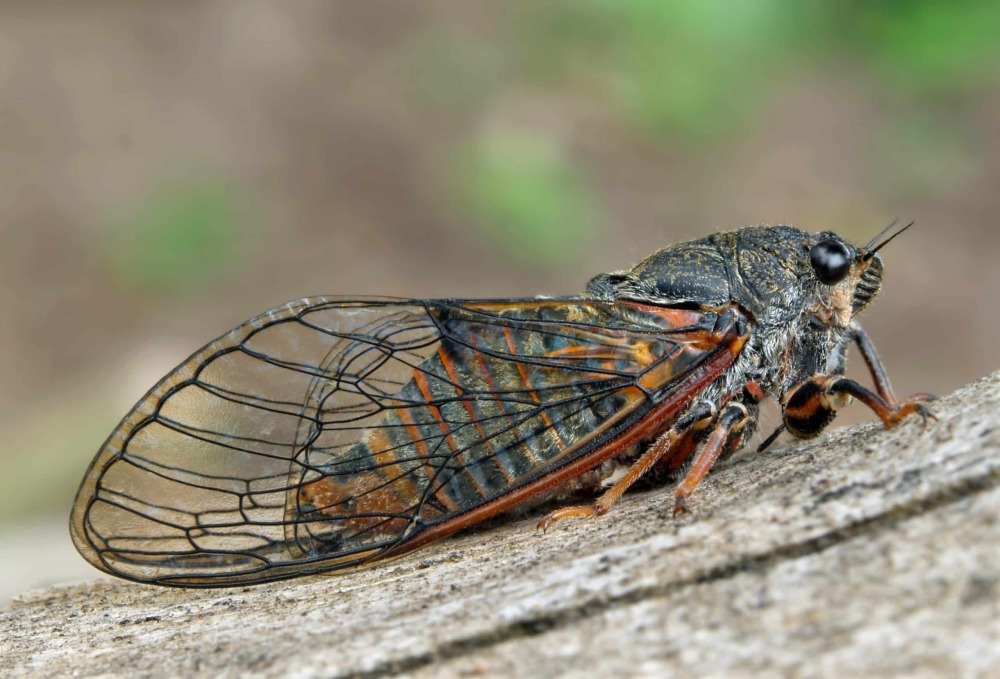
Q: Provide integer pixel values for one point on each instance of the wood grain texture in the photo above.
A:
(863, 553)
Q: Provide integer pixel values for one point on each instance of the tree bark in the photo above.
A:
(865, 552)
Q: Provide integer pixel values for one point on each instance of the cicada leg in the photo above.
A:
(725, 436)
(664, 448)
(891, 414)
(811, 405)
(879, 375)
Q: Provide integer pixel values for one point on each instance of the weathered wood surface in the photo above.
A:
(863, 553)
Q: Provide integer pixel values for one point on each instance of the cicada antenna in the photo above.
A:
(871, 253)
(895, 220)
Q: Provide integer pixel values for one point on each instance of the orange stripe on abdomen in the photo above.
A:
(421, 381)
(449, 367)
(431, 470)
(512, 345)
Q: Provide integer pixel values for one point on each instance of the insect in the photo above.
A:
(329, 432)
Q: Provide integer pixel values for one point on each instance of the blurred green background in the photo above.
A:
(170, 169)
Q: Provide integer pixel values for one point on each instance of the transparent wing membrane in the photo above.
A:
(327, 432)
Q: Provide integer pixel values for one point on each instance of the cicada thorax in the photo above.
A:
(509, 394)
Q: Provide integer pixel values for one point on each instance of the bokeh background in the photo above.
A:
(168, 169)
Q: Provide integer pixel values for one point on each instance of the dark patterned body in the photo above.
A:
(328, 433)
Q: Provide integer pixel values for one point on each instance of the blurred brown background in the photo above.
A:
(168, 169)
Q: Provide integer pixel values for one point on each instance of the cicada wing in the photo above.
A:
(328, 432)
(194, 481)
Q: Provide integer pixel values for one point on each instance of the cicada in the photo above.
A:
(330, 432)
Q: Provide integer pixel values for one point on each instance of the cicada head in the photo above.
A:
(848, 278)
(844, 281)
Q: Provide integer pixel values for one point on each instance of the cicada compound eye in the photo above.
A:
(831, 260)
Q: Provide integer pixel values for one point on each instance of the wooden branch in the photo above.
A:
(865, 552)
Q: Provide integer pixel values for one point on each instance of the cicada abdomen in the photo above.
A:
(506, 395)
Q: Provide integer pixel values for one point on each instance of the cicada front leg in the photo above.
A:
(809, 406)
(881, 378)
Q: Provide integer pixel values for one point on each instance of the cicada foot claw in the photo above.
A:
(912, 405)
(680, 506)
(581, 512)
